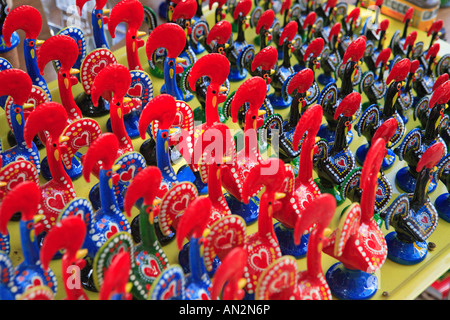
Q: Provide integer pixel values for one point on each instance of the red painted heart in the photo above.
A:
(81, 141)
(152, 270)
(182, 204)
(224, 241)
(55, 202)
(260, 259)
(341, 162)
(127, 175)
(280, 282)
(14, 182)
(112, 231)
(424, 219)
(169, 293)
(98, 67)
(373, 243)
(135, 91)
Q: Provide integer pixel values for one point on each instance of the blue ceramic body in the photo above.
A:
(405, 253)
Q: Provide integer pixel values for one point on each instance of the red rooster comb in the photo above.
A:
(410, 39)
(24, 17)
(431, 156)
(146, 184)
(353, 15)
(315, 48)
(399, 71)
(129, 11)
(310, 121)
(114, 79)
(99, 4)
(266, 58)
(17, 84)
(331, 4)
(24, 198)
(309, 19)
(47, 116)
(169, 36)
(441, 95)
(301, 81)
(334, 31)
(265, 20)
(435, 27)
(355, 50)
(60, 48)
(253, 91)
(317, 214)
(383, 56)
(433, 51)
(220, 32)
(194, 220)
(414, 65)
(349, 105)
(67, 235)
(383, 25)
(286, 5)
(242, 7)
(289, 32)
(408, 14)
(213, 65)
(184, 9)
(116, 276)
(386, 131)
(103, 149)
(440, 80)
(162, 108)
(269, 173)
(219, 2)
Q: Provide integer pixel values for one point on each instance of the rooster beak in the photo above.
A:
(3, 184)
(74, 71)
(261, 113)
(38, 42)
(106, 11)
(140, 34)
(279, 195)
(63, 139)
(180, 60)
(126, 100)
(81, 253)
(116, 167)
(223, 89)
(28, 106)
(38, 217)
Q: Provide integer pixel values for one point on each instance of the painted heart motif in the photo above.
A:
(14, 182)
(282, 281)
(380, 192)
(373, 243)
(181, 205)
(424, 219)
(341, 162)
(135, 91)
(224, 241)
(152, 270)
(260, 259)
(81, 141)
(55, 202)
(127, 175)
(98, 67)
(169, 293)
(112, 231)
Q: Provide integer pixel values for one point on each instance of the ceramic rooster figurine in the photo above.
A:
(239, 45)
(336, 161)
(161, 108)
(149, 257)
(171, 37)
(300, 190)
(285, 69)
(28, 273)
(94, 62)
(311, 283)
(65, 50)
(299, 89)
(132, 13)
(262, 246)
(358, 242)
(442, 203)
(253, 92)
(413, 215)
(17, 84)
(380, 33)
(229, 280)
(331, 95)
(112, 83)
(373, 116)
(61, 145)
(398, 38)
(418, 140)
(374, 85)
(263, 28)
(217, 39)
(67, 235)
(98, 21)
(331, 58)
(28, 19)
(115, 283)
(406, 100)
(349, 25)
(424, 82)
